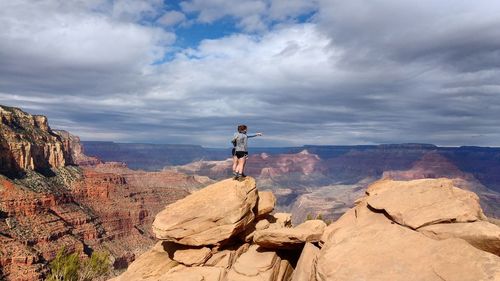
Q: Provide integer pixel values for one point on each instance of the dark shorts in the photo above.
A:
(241, 154)
(233, 152)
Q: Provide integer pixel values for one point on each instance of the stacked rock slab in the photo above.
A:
(202, 237)
(309, 231)
(422, 230)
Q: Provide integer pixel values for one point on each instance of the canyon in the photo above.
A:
(57, 191)
(52, 196)
(347, 164)
(307, 185)
(324, 180)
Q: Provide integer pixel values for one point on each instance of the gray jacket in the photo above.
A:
(242, 141)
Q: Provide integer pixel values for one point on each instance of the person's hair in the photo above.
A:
(242, 128)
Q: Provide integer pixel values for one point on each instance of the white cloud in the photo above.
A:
(133, 10)
(357, 73)
(250, 15)
(76, 38)
(171, 18)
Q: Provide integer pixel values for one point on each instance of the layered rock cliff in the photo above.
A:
(75, 152)
(47, 201)
(424, 230)
(28, 143)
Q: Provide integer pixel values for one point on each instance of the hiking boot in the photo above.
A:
(236, 176)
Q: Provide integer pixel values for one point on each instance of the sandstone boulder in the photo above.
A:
(149, 266)
(481, 234)
(366, 244)
(423, 202)
(256, 264)
(196, 256)
(266, 203)
(256, 225)
(392, 252)
(280, 220)
(309, 231)
(285, 272)
(210, 215)
(195, 273)
(305, 269)
(225, 258)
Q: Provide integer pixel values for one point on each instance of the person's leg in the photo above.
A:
(235, 163)
(241, 164)
(244, 164)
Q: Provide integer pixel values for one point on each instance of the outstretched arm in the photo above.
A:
(256, 135)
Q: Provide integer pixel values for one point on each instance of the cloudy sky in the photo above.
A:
(301, 71)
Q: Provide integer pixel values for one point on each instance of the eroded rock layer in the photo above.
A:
(28, 143)
(48, 202)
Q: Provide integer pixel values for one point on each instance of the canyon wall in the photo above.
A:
(52, 195)
(27, 142)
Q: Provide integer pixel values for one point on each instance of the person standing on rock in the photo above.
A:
(240, 150)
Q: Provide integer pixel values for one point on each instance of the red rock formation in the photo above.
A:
(285, 170)
(99, 206)
(35, 227)
(431, 165)
(75, 150)
(28, 143)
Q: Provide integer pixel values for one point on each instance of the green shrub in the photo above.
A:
(69, 267)
(95, 266)
(64, 267)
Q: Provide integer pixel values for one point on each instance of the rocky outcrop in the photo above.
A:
(385, 242)
(28, 143)
(205, 234)
(380, 243)
(197, 220)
